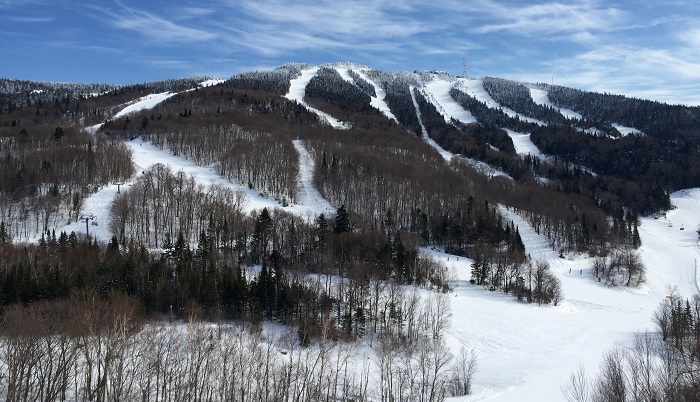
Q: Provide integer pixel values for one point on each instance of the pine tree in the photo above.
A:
(261, 236)
(636, 241)
(4, 238)
(342, 220)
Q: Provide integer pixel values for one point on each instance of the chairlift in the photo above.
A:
(670, 224)
(682, 228)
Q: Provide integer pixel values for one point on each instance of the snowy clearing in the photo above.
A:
(540, 97)
(377, 101)
(624, 130)
(475, 88)
(438, 93)
(297, 92)
(143, 103)
(524, 145)
(211, 82)
(308, 196)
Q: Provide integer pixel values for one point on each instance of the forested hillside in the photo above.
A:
(400, 173)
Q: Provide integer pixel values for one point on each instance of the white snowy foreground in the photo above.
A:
(526, 353)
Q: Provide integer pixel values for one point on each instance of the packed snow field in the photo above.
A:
(524, 352)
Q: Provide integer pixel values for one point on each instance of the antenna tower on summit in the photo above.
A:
(464, 67)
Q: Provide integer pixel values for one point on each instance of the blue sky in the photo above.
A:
(638, 48)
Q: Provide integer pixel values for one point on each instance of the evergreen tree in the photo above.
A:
(342, 220)
(261, 236)
(4, 238)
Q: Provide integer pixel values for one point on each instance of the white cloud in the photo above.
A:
(155, 28)
(549, 18)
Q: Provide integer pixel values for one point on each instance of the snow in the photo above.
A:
(624, 130)
(344, 74)
(211, 82)
(378, 101)
(308, 196)
(485, 168)
(438, 93)
(524, 145)
(475, 88)
(143, 103)
(444, 153)
(526, 352)
(297, 92)
(540, 97)
(145, 155)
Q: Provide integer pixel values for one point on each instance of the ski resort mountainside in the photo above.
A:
(338, 232)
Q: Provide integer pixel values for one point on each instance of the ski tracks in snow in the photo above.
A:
(308, 196)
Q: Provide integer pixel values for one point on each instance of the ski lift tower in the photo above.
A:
(87, 218)
(119, 183)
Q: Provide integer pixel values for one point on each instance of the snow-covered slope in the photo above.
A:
(308, 196)
(378, 101)
(526, 353)
(444, 153)
(297, 91)
(437, 92)
(143, 103)
(624, 130)
(524, 145)
(475, 88)
(145, 155)
(540, 97)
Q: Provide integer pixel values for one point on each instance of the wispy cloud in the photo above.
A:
(154, 28)
(29, 19)
(550, 18)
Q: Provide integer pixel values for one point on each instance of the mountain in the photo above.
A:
(373, 180)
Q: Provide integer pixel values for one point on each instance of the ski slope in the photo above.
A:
(145, 155)
(524, 145)
(446, 155)
(437, 92)
(540, 97)
(297, 92)
(526, 352)
(475, 88)
(308, 196)
(377, 101)
(624, 130)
